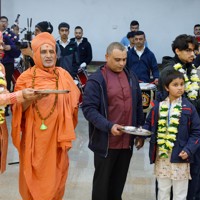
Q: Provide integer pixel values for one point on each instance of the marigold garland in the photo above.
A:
(2, 88)
(191, 84)
(166, 134)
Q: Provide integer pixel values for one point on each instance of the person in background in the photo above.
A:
(130, 36)
(7, 98)
(6, 30)
(44, 26)
(134, 26)
(197, 52)
(197, 36)
(15, 30)
(197, 61)
(10, 52)
(197, 30)
(43, 130)
(84, 47)
(175, 125)
(142, 61)
(67, 51)
(112, 99)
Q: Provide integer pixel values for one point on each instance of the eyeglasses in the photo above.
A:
(2, 21)
(189, 50)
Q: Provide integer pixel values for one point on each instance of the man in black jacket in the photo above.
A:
(84, 47)
(112, 99)
(67, 55)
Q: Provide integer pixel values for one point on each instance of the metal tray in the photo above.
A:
(136, 131)
(51, 91)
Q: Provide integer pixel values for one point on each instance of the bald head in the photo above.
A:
(115, 45)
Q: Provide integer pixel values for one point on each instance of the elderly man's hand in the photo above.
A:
(30, 95)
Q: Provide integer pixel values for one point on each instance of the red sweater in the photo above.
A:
(119, 105)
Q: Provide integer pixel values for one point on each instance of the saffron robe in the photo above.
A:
(44, 153)
(5, 99)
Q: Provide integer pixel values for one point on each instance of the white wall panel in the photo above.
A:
(105, 21)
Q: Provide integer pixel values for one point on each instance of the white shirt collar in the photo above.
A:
(139, 53)
(78, 42)
(64, 44)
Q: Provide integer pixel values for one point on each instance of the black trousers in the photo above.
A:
(110, 174)
(194, 184)
(9, 69)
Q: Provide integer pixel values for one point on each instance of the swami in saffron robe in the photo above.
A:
(44, 153)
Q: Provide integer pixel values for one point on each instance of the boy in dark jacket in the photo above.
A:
(175, 124)
(67, 54)
(183, 47)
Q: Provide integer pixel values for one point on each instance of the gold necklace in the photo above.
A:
(2, 89)
(43, 126)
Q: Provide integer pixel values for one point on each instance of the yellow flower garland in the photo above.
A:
(166, 133)
(2, 88)
(191, 85)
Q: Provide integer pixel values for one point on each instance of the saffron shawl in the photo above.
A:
(43, 153)
(5, 99)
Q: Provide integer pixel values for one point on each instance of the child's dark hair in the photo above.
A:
(170, 76)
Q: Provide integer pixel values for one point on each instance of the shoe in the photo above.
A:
(80, 105)
(7, 113)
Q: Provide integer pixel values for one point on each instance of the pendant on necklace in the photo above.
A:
(43, 126)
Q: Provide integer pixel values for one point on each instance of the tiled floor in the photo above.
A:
(139, 185)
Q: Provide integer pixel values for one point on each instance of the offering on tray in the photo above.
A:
(136, 131)
(51, 91)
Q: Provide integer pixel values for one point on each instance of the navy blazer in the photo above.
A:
(188, 136)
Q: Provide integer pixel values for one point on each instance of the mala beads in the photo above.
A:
(43, 126)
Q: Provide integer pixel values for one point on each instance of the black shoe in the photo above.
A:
(7, 113)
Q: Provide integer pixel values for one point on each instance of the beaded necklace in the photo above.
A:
(43, 126)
